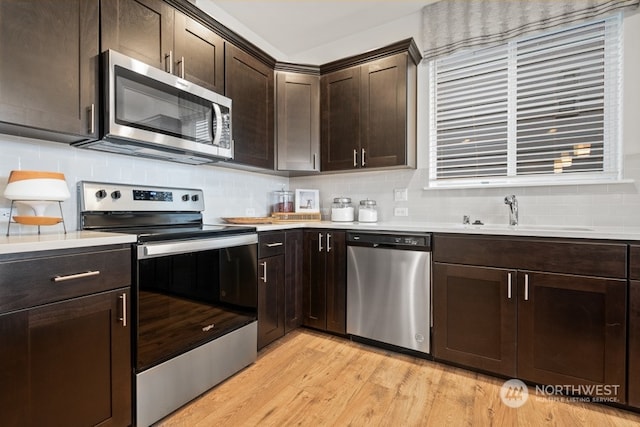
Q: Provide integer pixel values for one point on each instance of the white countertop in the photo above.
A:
(573, 232)
(49, 241)
(77, 239)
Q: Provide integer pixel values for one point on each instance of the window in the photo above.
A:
(542, 109)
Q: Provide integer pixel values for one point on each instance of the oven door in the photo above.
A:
(191, 292)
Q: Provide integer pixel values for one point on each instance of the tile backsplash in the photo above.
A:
(605, 205)
(230, 192)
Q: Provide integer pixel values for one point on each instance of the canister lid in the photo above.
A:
(368, 203)
(343, 200)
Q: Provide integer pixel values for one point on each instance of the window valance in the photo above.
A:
(451, 25)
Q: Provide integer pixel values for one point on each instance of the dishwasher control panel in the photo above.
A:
(412, 241)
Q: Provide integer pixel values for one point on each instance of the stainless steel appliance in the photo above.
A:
(151, 113)
(194, 291)
(389, 288)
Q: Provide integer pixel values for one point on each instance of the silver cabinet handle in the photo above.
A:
(355, 158)
(58, 279)
(264, 271)
(526, 287)
(274, 245)
(509, 285)
(170, 57)
(362, 161)
(320, 248)
(328, 242)
(123, 300)
(314, 161)
(181, 67)
(92, 118)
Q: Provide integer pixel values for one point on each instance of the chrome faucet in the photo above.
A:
(513, 209)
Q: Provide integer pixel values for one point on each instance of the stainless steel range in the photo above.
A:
(195, 290)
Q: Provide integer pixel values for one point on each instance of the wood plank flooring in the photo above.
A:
(312, 379)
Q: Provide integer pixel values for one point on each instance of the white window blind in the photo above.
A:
(537, 109)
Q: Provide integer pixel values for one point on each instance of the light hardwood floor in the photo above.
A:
(311, 379)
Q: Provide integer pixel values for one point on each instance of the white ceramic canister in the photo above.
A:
(342, 210)
(368, 212)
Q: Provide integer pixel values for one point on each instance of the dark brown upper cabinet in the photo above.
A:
(340, 115)
(368, 109)
(250, 85)
(298, 121)
(157, 34)
(199, 54)
(49, 69)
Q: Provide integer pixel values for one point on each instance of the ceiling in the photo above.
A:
(294, 27)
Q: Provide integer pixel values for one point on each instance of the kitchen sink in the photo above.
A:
(531, 227)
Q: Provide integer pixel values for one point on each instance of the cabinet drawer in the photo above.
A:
(270, 244)
(34, 281)
(587, 258)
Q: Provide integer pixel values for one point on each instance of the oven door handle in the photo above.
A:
(152, 250)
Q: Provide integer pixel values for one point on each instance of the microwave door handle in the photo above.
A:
(218, 118)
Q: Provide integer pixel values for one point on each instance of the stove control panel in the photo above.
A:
(100, 196)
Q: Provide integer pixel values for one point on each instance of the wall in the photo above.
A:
(615, 205)
(228, 192)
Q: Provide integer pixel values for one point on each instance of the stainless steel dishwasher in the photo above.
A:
(389, 288)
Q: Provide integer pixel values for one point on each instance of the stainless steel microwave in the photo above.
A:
(151, 113)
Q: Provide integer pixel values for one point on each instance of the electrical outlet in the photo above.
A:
(250, 212)
(400, 211)
(4, 212)
(400, 195)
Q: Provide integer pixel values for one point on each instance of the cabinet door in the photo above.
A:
(199, 54)
(249, 83)
(634, 342)
(67, 363)
(340, 113)
(336, 282)
(474, 317)
(141, 29)
(314, 280)
(293, 280)
(572, 330)
(49, 66)
(384, 112)
(270, 299)
(298, 110)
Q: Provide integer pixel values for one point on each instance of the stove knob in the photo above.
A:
(101, 194)
(185, 197)
(195, 198)
(116, 195)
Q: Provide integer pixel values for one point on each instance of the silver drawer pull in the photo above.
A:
(274, 245)
(264, 271)
(76, 276)
(123, 319)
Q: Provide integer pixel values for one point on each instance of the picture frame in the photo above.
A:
(307, 200)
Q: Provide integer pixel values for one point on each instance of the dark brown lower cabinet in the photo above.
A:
(67, 363)
(547, 328)
(325, 280)
(474, 317)
(270, 299)
(634, 327)
(572, 330)
(279, 284)
(293, 277)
